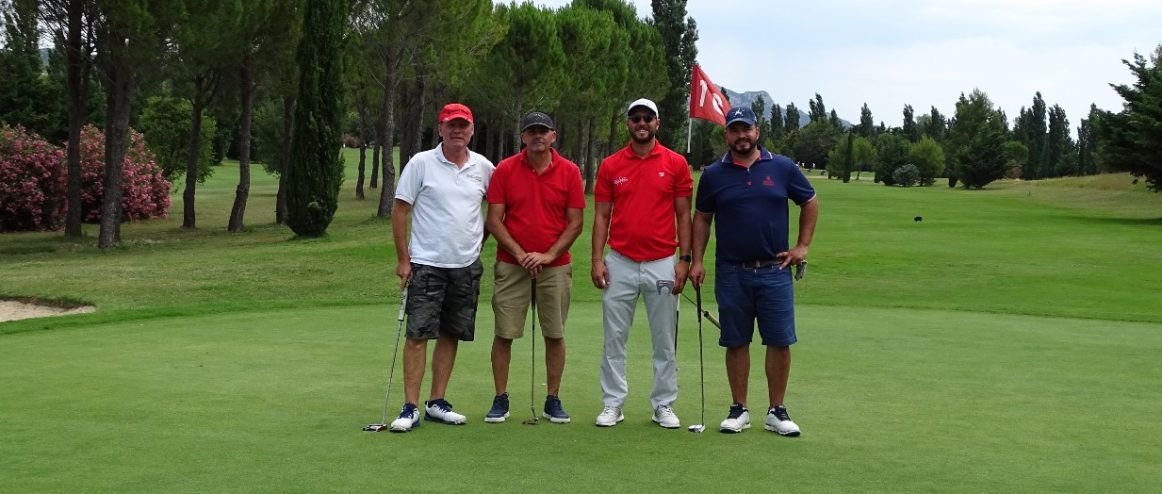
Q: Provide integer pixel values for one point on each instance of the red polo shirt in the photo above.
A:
(643, 190)
(534, 205)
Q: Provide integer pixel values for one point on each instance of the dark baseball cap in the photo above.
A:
(740, 114)
(537, 119)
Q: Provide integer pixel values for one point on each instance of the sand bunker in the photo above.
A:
(13, 310)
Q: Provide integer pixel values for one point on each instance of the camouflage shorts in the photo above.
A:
(443, 301)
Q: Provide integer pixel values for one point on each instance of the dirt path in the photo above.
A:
(11, 310)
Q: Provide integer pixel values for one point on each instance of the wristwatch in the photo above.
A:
(685, 258)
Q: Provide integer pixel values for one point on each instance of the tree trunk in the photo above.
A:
(362, 148)
(590, 154)
(417, 120)
(489, 147)
(242, 193)
(76, 79)
(387, 192)
(375, 160)
(116, 142)
(193, 153)
(288, 120)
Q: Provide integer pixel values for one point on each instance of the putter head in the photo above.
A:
(801, 270)
(699, 428)
(531, 421)
(375, 428)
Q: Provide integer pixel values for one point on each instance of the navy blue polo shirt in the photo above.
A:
(750, 205)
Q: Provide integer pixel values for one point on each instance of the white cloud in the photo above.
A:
(895, 52)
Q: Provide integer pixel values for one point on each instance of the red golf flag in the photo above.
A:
(706, 101)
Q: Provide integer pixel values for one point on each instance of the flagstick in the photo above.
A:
(689, 133)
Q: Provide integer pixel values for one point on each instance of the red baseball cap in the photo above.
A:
(453, 111)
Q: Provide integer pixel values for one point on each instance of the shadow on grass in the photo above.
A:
(1119, 221)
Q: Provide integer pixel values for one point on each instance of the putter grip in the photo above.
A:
(403, 302)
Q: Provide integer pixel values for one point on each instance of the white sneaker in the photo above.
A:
(441, 411)
(409, 418)
(665, 417)
(609, 417)
(737, 421)
(779, 421)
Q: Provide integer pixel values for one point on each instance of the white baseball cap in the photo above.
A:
(643, 102)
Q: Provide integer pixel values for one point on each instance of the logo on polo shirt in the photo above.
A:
(661, 174)
(475, 178)
(768, 182)
(620, 181)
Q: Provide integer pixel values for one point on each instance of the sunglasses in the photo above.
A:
(639, 118)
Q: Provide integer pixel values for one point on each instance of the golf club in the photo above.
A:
(533, 368)
(382, 425)
(701, 425)
(703, 312)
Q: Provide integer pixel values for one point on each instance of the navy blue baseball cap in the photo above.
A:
(740, 114)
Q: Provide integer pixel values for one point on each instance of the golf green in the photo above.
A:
(273, 401)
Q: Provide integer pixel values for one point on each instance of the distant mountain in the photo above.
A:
(749, 97)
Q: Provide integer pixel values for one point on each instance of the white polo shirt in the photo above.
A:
(447, 224)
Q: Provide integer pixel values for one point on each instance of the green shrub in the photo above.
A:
(906, 176)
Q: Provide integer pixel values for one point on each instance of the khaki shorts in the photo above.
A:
(512, 293)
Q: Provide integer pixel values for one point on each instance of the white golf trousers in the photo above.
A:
(654, 281)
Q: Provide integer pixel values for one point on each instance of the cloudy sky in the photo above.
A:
(889, 53)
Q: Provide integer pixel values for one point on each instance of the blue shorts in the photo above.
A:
(746, 294)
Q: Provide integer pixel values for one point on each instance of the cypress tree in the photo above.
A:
(316, 167)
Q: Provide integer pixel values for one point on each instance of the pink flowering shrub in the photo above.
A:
(144, 190)
(32, 182)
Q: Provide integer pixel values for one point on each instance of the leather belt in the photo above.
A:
(762, 263)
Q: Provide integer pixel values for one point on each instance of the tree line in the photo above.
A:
(209, 79)
(976, 145)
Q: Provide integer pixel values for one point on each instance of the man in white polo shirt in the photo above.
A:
(442, 189)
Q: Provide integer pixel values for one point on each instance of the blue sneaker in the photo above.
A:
(499, 410)
(439, 410)
(409, 418)
(554, 412)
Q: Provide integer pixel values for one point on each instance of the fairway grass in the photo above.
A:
(1006, 342)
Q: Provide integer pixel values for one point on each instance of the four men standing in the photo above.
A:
(643, 211)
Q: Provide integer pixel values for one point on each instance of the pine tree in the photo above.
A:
(1131, 140)
(910, 130)
(1060, 160)
(866, 125)
(23, 89)
(936, 125)
(791, 118)
(316, 168)
(679, 34)
(1036, 130)
(976, 139)
(816, 111)
(776, 122)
